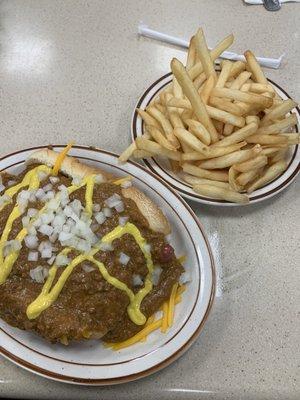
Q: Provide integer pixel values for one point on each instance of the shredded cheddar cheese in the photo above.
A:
(164, 326)
(60, 158)
(171, 305)
(151, 325)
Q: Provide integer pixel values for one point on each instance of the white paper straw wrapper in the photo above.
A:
(143, 30)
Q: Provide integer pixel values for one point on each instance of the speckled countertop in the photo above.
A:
(74, 69)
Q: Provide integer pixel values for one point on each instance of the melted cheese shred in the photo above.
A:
(60, 158)
(151, 325)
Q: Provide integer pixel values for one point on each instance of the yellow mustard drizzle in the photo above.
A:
(49, 295)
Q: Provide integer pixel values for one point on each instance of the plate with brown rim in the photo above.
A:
(161, 166)
(90, 362)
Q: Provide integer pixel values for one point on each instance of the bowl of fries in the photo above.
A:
(219, 134)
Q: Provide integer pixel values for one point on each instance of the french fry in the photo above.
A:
(191, 93)
(228, 129)
(279, 111)
(221, 194)
(257, 88)
(245, 177)
(142, 154)
(230, 159)
(225, 117)
(166, 125)
(199, 81)
(232, 175)
(197, 69)
(240, 80)
(292, 138)
(238, 135)
(177, 91)
(221, 176)
(224, 74)
(226, 105)
(280, 126)
(268, 151)
(161, 108)
(194, 180)
(175, 166)
(237, 68)
(267, 139)
(204, 54)
(148, 119)
(269, 175)
(156, 149)
(160, 138)
(199, 130)
(207, 88)
(187, 114)
(251, 98)
(280, 155)
(254, 163)
(127, 153)
(191, 56)
(175, 119)
(180, 103)
(187, 137)
(212, 152)
(252, 118)
(255, 68)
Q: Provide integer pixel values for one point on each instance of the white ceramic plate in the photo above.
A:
(161, 167)
(92, 363)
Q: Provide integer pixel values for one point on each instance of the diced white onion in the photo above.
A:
(31, 230)
(47, 187)
(49, 196)
(2, 187)
(185, 277)
(126, 184)
(100, 217)
(66, 228)
(84, 246)
(38, 222)
(33, 256)
(113, 200)
(63, 236)
(156, 275)
(25, 221)
(4, 199)
(119, 207)
(11, 246)
(87, 268)
(96, 207)
(123, 220)
(98, 179)
(62, 260)
(107, 212)
(51, 260)
(46, 253)
(31, 241)
(32, 197)
(76, 207)
(124, 258)
(39, 274)
(147, 247)
(54, 179)
(53, 204)
(40, 194)
(46, 229)
(32, 212)
(58, 221)
(137, 280)
(42, 175)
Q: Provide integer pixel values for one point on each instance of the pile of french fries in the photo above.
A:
(224, 130)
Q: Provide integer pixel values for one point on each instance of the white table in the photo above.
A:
(74, 70)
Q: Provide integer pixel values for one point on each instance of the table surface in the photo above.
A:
(74, 70)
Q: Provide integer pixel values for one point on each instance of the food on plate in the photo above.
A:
(84, 254)
(218, 124)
